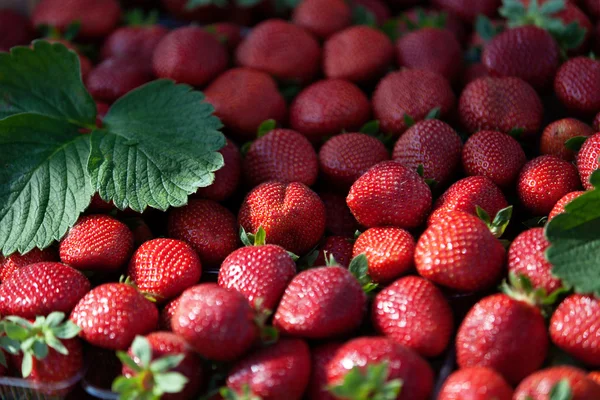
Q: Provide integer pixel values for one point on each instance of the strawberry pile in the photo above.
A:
(405, 202)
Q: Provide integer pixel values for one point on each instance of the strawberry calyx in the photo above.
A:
(424, 20)
(361, 15)
(367, 383)
(561, 391)
(486, 29)
(266, 127)
(575, 143)
(430, 182)
(153, 297)
(137, 17)
(500, 222)
(245, 393)
(519, 287)
(268, 333)
(372, 128)
(258, 239)
(359, 267)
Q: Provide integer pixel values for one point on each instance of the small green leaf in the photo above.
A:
(15, 332)
(142, 350)
(266, 127)
(483, 215)
(246, 238)
(128, 361)
(420, 170)
(170, 382)
(575, 143)
(361, 15)
(359, 267)
(552, 7)
(260, 237)
(408, 120)
(10, 345)
(516, 132)
(166, 363)
(561, 391)
(293, 256)
(55, 343)
(3, 360)
(501, 221)
(39, 350)
(27, 365)
(54, 319)
(485, 28)
(370, 128)
(67, 330)
(390, 28)
(72, 30)
(367, 383)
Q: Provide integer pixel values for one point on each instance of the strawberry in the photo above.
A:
(577, 85)
(414, 313)
(317, 385)
(558, 133)
(596, 123)
(243, 98)
(9, 265)
(359, 54)
(432, 144)
(327, 108)
(281, 49)
(15, 30)
(134, 42)
(389, 252)
(208, 227)
(588, 160)
(410, 94)
(280, 371)
(321, 303)
(559, 207)
(594, 376)
(97, 243)
(378, 8)
(260, 273)
(115, 77)
(189, 55)
(431, 49)
(322, 18)
(538, 386)
(166, 314)
(418, 18)
(389, 194)
(227, 178)
(574, 328)
(476, 383)
(339, 219)
(283, 155)
(101, 111)
(292, 215)
(494, 155)
(112, 314)
(338, 247)
(468, 10)
(593, 7)
(501, 104)
(230, 33)
(41, 288)
(344, 158)
(543, 181)
(218, 323)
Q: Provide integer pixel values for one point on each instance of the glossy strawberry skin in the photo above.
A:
(166, 314)
(389, 194)
(338, 247)
(322, 18)
(218, 323)
(15, 30)
(557, 133)
(320, 357)
(321, 303)
(539, 385)
(275, 372)
(574, 328)
(9, 265)
(468, 10)
(475, 383)
(282, 155)
(115, 77)
(414, 313)
(133, 42)
(577, 85)
(227, 178)
(559, 207)
(594, 376)
(339, 219)
(112, 314)
(292, 215)
(587, 160)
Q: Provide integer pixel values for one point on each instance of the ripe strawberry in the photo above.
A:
(189, 55)
(115, 77)
(389, 252)
(432, 144)
(339, 220)
(588, 160)
(134, 42)
(594, 376)
(113, 314)
(166, 314)
(558, 133)
(322, 18)
(577, 85)
(97, 243)
(539, 385)
(358, 54)
(208, 227)
(468, 10)
(494, 155)
(281, 49)
(327, 108)
(344, 158)
(574, 328)
(260, 273)
(292, 215)
(281, 155)
(410, 93)
(593, 7)
(389, 194)
(280, 371)
(243, 98)
(476, 383)
(218, 323)
(338, 247)
(559, 207)
(414, 313)
(41, 288)
(378, 8)
(231, 34)
(15, 30)
(227, 178)
(317, 385)
(9, 265)
(501, 104)
(321, 303)
(596, 123)
(431, 49)
(543, 181)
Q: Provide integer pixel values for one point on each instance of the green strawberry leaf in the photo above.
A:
(485, 28)
(140, 347)
(137, 17)
(434, 113)
(245, 394)
(266, 127)
(516, 132)
(408, 120)
(370, 128)
(561, 391)
(390, 29)
(363, 16)
(575, 143)
(359, 267)
(552, 7)
(367, 383)
(193, 4)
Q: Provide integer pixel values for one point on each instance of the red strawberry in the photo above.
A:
(389, 252)
(322, 18)
(344, 158)
(559, 207)
(593, 7)
(208, 227)
(494, 155)
(468, 10)
(15, 30)
(340, 220)
(543, 181)
(136, 42)
(189, 55)
(227, 178)
(574, 328)
(414, 313)
(230, 33)
(9, 265)
(577, 85)
(321, 356)
(390, 194)
(166, 315)
(475, 383)
(281, 49)
(115, 77)
(101, 111)
(321, 303)
(358, 54)
(292, 215)
(558, 133)
(112, 314)
(97, 243)
(588, 159)
(539, 385)
(410, 93)
(327, 108)
(596, 123)
(218, 323)
(283, 155)
(280, 371)
(243, 98)
(260, 273)
(378, 8)
(338, 247)
(431, 49)
(432, 144)
(594, 376)
(501, 104)
(41, 288)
